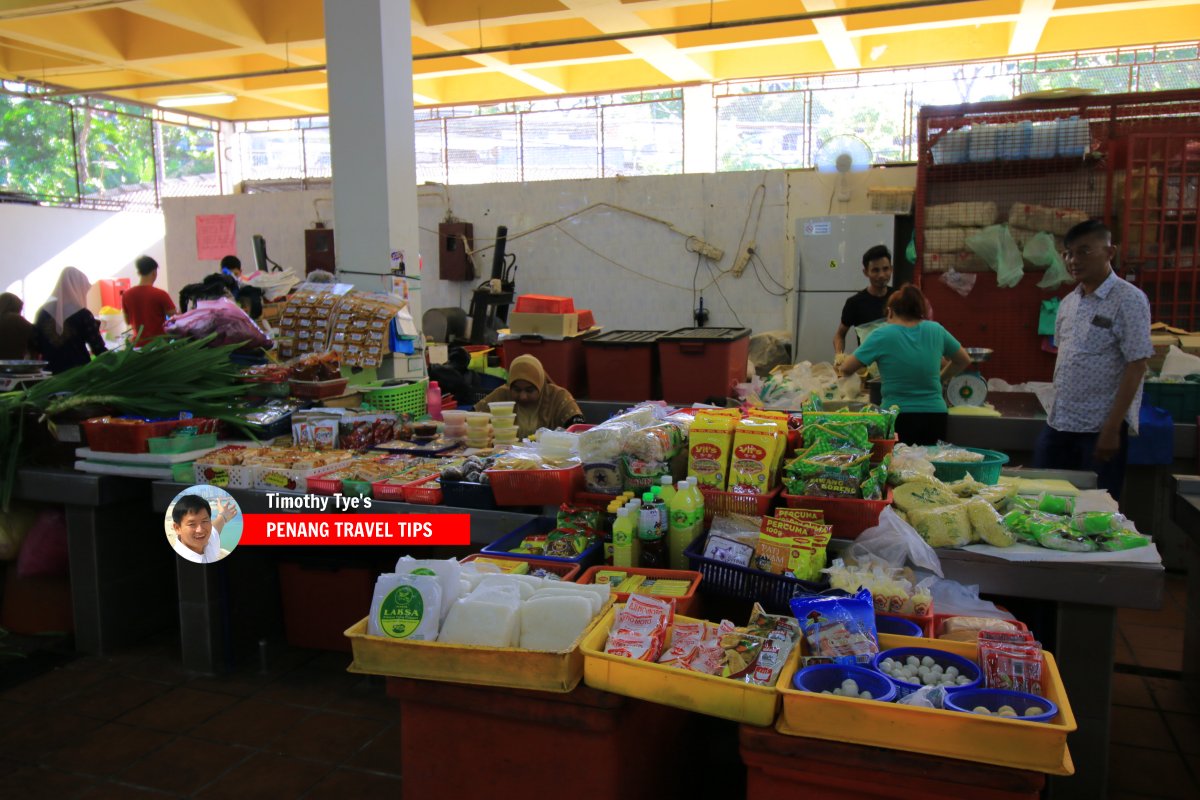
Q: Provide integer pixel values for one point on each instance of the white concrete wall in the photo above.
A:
(39, 241)
(280, 217)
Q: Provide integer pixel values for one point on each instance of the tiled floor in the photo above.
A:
(137, 725)
(1155, 742)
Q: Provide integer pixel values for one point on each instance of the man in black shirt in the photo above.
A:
(867, 305)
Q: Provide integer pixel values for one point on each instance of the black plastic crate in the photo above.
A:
(743, 583)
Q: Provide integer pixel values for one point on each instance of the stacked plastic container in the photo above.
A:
(479, 429)
(504, 422)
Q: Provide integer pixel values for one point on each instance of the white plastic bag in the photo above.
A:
(954, 599)
(925, 697)
(960, 282)
(996, 246)
(1179, 364)
(895, 541)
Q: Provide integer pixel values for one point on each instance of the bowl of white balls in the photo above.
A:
(845, 680)
(910, 668)
(1003, 703)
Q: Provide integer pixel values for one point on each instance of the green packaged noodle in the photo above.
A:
(874, 486)
(881, 423)
(966, 486)
(1056, 504)
(1063, 538)
(923, 493)
(839, 473)
(832, 434)
(1123, 540)
(1098, 522)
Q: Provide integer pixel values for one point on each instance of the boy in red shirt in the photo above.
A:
(146, 307)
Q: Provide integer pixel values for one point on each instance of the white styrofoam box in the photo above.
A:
(973, 214)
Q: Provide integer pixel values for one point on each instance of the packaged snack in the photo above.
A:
(406, 607)
(986, 523)
(1122, 540)
(658, 442)
(685, 638)
(881, 423)
(973, 625)
(751, 466)
(836, 433)
(923, 493)
(729, 550)
(780, 634)
(1056, 504)
(1098, 522)
(1012, 666)
(839, 473)
(946, 526)
(802, 514)
(838, 630)
(638, 646)
(603, 477)
(741, 652)
(709, 443)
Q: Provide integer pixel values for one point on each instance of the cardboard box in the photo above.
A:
(558, 326)
(1161, 342)
(1190, 344)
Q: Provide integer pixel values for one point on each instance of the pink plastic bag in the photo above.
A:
(44, 552)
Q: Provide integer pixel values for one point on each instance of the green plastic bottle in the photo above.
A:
(687, 521)
(625, 544)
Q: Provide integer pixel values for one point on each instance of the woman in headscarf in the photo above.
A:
(64, 330)
(540, 402)
(16, 332)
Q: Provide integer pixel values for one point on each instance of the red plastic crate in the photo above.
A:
(326, 483)
(425, 492)
(752, 505)
(562, 358)
(119, 438)
(882, 447)
(567, 572)
(699, 363)
(849, 516)
(683, 605)
(535, 487)
(320, 602)
(586, 319)
(544, 304)
(621, 365)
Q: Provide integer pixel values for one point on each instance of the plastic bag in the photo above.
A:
(1040, 250)
(953, 599)
(960, 282)
(895, 541)
(14, 526)
(995, 245)
(1179, 364)
(925, 697)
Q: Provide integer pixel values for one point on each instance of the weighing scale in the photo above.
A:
(969, 388)
(18, 374)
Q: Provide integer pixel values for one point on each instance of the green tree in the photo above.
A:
(37, 155)
(188, 151)
(115, 150)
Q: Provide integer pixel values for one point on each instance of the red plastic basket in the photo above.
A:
(752, 505)
(579, 427)
(326, 483)
(882, 447)
(683, 605)
(535, 487)
(108, 437)
(849, 516)
(425, 492)
(319, 390)
(544, 304)
(567, 572)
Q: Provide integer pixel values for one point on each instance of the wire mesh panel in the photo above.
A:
(642, 138)
(560, 144)
(997, 182)
(1159, 233)
(483, 149)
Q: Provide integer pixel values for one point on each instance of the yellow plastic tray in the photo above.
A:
(1036, 746)
(668, 686)
(508, 667)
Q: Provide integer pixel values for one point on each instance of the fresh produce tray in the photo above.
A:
(684, 604)
(849, 516)
(1037, 746)
(744, 583)
(508, 667)
(692, 691)
(985, 471)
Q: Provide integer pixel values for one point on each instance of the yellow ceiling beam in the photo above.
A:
(450, 12)
(446, 42)
(657, 51)
(615, 77)
(149, 39)
(1122, 28)
(95, 35)
(770, 60)
(1027, 31)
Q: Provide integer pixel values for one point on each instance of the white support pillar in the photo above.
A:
(368, 45)
(699, 129)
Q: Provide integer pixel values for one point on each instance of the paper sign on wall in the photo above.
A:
(216, 236)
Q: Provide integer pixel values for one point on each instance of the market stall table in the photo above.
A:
(206, 601)
(1186, 514)
(120, 572)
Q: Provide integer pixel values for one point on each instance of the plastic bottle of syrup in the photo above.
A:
(651, 535)
(683, 529)
(625, 540)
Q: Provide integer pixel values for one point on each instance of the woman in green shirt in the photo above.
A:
(909, 351)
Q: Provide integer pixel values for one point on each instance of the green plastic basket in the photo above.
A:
(1180, 400)
(356, 488)
(183, 473)
(163, 445)
(406, 399)
(986, 471)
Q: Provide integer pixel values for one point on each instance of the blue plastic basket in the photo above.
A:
(967, 699)
(820, 678)
(897, 626)
(903, 688)
(743, 583)
(537, 526)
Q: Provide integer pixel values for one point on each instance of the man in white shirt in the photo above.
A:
(194, 527)
(1103, 338)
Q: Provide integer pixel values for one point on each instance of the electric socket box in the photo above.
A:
(454, 256)
(318, 249)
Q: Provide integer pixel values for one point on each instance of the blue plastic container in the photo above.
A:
(541, 525)
(827, 677)
(992, 699)
(897, 626)
(903, 688)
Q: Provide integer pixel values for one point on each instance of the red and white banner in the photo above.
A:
(351, 529)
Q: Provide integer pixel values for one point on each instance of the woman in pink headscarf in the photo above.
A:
(64, 329)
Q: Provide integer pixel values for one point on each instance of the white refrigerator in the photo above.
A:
(830, 250)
